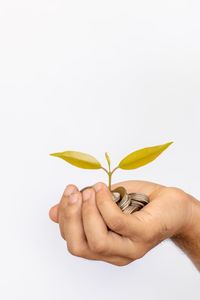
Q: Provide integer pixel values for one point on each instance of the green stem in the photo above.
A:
(109, 175)
(104, 170)
(114, 170)
(109, 180)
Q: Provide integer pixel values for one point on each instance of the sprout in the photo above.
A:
(132, 161)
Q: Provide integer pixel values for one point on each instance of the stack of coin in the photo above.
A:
(127, 202)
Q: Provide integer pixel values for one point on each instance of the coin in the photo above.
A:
(137, 203)
(130, 209)
(124, 198)
(131, 202)
(116, 196)
(121, 190)
(127, 202)
(140, 197)
(125, 205)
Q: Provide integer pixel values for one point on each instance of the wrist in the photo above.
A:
(188, 239)
(191, 227)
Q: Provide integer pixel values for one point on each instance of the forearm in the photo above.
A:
(189, 240)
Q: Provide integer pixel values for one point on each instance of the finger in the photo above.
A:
(72, 225)
(70, 188)
(100, 240)
(94, 226)
(53, 212)
(113, 216)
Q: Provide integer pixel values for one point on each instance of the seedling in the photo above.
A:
(132, 161)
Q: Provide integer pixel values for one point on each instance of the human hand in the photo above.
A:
(94, 227)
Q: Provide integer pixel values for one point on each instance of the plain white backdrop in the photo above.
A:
(93, 76)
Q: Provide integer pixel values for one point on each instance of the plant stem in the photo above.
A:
(114, 170)
(104, 170)
(109, 180)
(109, 175)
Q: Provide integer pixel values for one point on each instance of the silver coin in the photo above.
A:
(131, 202)
(138, 206)
(130, 209)
(125, 200)
(140, 197)
(137, 202)
(116, 196)
(121, 190)
(125, 205)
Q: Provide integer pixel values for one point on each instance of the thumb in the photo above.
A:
(116, 220)
(53, 213)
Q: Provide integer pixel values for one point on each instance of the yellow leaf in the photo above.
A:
(142, 157)
(79, 159)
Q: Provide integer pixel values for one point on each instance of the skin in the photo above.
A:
(95, 228)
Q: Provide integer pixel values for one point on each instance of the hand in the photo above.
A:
(94, 227)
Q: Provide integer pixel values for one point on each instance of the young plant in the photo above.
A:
(132, 161)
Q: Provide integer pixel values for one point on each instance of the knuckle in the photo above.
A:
(179, 196)
(175, 191)
(139, 251)
(98, 246)
(122, 262)
(76, 250)
(139, 254)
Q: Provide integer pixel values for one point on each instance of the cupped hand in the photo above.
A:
(94, 227)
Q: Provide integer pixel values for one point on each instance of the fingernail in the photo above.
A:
(73, 198)
(86, 194)
(98, 186)
(69, 190)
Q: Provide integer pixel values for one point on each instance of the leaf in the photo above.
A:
(142, 157)
(79, 159)
(107, 158)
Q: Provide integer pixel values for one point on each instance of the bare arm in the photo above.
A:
(189, 241)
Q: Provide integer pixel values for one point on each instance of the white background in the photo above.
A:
(93, 76)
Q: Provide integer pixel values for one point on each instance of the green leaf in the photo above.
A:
(107, 158)
(79, 159)
(142, 157)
